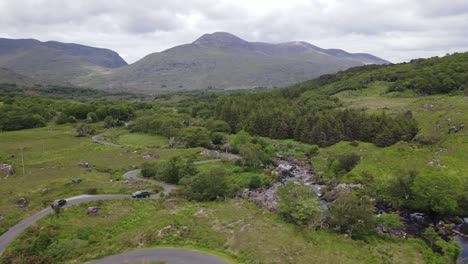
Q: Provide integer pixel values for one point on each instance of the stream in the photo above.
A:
(464, 244)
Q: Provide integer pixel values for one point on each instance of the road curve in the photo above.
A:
(13, 232)
(134, 176)
(166, 255)
(169, 255)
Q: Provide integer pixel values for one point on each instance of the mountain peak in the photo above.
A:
(221, 40)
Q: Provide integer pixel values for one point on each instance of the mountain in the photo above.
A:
(56, 61)
(222, 60)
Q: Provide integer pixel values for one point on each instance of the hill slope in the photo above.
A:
(55, 61)
(222, 60)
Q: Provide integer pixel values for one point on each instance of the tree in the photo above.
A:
(195, 137)
(400, 184)
(208, 186)
(350, 213)
(109, 122)
(298, 203)
(252, 154)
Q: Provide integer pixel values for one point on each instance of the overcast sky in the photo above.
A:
(397, 30)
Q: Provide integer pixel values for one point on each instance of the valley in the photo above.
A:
(362, 166)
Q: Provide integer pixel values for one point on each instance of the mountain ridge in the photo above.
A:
(217, 60)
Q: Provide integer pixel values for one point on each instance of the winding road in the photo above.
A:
(169, 255)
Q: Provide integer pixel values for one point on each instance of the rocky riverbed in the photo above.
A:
(292, 170)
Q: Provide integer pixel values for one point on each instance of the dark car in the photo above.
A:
(59, 203)
(141, 194)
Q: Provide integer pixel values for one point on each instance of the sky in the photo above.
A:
(396, 30)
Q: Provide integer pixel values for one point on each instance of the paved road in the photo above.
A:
(169, 255)
(13, 232)
(134, 175)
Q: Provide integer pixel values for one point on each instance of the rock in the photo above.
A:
(201, 212)
(22, 203)
(44, 191)
(76, 181)
(464, 228)
(444, 230)
(151, 156)
(453, 129)
(210, 153)
(164, 230)
(2, 218)
(420, 219)
(288, 170)
(93, 210)
(428, 106)
(84, 165)
(245, 227)
(8, 169)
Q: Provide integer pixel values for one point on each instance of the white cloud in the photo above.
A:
(397, 30)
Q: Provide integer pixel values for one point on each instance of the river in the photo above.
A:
(464, 243)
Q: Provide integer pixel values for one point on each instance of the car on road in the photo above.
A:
(59, 203)
(141, 194)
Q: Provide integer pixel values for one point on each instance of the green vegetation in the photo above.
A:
(381, 128)
(234, 228)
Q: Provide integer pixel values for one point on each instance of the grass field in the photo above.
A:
(234, 229)
(51, 156)
(438, 152)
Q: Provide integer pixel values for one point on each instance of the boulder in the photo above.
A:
(22, 203)
(151, 156)
(93, 210)
(420, 219)
(8, 169)
(76, 181)
(84, 165)
(464, 227)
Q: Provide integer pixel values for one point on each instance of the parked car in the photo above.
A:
(141, 194)
(59, 203)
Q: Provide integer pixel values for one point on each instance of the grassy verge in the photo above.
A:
(234, 229)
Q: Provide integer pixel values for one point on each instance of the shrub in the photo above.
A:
(348, 161)
(298, 203)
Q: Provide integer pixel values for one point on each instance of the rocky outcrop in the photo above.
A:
(22, 203)
(8, 169)
(93, 210)
(289, 170)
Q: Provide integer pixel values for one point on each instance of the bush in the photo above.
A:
(92, 191)
(350, 213)
(208, 186)
(298, 203)
(348, 161)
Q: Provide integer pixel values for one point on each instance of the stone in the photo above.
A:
(8, 169)
(419, 218)
(151, 156)
(464, 228)
(210, 153)
(164, 230)
(44, 191)
(2, 218)
(76, 181)
(428, 106)
(22, 203)
(93, 210)
(84, 165)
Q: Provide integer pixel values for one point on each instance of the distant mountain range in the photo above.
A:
(219, 60)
